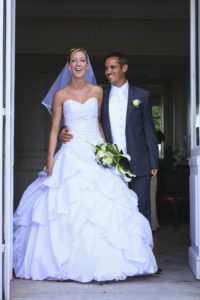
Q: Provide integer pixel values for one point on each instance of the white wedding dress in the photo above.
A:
(81, 223)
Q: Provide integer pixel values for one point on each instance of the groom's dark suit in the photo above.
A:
(141, 142)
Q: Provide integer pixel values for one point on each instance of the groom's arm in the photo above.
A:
(65, 135)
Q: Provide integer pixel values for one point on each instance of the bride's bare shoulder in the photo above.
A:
(99, 92)
(96, 89)
(61, 95)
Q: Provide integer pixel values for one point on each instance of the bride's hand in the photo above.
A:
(49, 167)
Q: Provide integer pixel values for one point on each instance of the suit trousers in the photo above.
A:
(141, 186)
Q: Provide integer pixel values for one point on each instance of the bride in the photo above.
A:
(78, 220)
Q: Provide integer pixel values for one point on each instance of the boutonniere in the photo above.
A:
(136, 103)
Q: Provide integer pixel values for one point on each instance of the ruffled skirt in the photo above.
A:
(81, 223)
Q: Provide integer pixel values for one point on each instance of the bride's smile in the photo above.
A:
(78, 64)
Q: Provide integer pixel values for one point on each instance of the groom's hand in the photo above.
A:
(65, 135)
(154, 173)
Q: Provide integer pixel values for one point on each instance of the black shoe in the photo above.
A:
(159, 271)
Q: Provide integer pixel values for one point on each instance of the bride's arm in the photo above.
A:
(100, 101)
(55, 125)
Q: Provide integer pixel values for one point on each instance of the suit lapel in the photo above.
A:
(106, 112)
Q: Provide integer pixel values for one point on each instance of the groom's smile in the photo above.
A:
(115, 73)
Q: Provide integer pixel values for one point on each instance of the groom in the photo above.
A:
(127, 121)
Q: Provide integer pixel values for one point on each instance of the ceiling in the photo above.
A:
(153, 34)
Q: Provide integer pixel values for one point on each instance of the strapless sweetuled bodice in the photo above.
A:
(82, 119)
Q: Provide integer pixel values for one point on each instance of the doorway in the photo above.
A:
(157, 44)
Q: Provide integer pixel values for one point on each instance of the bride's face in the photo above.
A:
(78, 64)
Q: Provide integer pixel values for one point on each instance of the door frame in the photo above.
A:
(7, 81)
(194, 249)
(1, 138)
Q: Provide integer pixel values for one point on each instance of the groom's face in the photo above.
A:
(115, 73)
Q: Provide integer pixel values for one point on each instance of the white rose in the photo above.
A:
(100, 154)
(136, 103)
(103, 147)
(107, 159)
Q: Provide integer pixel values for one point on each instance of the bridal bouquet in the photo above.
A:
(108, 155)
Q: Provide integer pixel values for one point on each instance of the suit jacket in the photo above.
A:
(141, 138)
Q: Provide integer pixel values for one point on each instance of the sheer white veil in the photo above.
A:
(63, 79)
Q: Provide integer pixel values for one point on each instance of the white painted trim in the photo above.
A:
(199, 54)
(195, 151)
(1, 129)
(193, 72)
(194, 262)
(12, 124)
(9, 142)
(194, 249)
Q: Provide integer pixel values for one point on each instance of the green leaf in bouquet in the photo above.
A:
(115, 160)
(111, 149)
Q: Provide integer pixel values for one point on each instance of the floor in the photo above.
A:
(176, 280)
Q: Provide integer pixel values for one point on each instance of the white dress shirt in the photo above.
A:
(117, 112)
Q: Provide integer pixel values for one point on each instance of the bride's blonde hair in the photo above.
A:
(74, 50)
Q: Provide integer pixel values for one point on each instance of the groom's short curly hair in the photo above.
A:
(122, 58)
